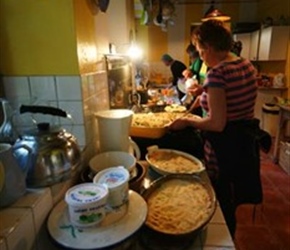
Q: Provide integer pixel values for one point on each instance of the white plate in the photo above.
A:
(117, 226)
(162, 171)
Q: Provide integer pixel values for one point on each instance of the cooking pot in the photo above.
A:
(55, 155)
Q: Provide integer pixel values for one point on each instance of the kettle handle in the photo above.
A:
(43, 110)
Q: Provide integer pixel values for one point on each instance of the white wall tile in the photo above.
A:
(16, 86)
(68, 87)
(75, 109)
(43, 87)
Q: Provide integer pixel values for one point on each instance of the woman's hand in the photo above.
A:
(179, 124)
(195, 89)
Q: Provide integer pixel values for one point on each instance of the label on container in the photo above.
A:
(86, 193)
(114, 177)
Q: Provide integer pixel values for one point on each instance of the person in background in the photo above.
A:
(229, 128)
(176, 68)
(195, 62)
(194, 70)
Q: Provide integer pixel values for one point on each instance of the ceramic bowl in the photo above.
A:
(113, 159)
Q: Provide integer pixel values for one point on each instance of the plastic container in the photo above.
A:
(116, 179)
(86, 203)
(270, 118)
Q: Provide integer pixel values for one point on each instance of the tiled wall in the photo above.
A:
(79, 96)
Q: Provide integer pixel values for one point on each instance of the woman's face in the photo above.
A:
(204, 53)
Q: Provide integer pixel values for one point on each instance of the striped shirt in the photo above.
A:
(238, 79)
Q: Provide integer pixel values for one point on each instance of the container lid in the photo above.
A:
(112, 177)
(85, 193)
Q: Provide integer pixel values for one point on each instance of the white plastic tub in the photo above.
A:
(86, 203)
(116, 179)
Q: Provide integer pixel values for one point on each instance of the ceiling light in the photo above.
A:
(214, 13)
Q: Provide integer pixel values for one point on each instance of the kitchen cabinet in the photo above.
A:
(273, 43)
(250, 42)
(265, 44)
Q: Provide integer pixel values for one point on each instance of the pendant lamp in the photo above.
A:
(216, 14)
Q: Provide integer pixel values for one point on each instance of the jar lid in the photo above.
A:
(112, 177)
(86, 193)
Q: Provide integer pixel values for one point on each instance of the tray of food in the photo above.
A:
(153, 125)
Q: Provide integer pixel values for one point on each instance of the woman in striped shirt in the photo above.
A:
(229, 127)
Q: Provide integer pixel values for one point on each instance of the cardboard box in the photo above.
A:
(284, 156)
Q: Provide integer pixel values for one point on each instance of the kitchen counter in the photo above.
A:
(23, 224)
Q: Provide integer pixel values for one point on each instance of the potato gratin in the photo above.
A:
(178, 207)
(172, 162)
(155, 120)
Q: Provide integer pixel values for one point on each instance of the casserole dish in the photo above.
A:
(179, 207)
(169, 161)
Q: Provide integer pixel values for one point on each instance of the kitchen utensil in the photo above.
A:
(12, 174)
(159, 15)
(56, 155)
(114, 126)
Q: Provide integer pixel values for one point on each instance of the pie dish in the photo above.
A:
(169, 161)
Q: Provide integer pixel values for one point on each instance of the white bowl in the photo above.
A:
(113, 159)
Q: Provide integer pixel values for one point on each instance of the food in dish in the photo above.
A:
(175, 108)
(156, 120)
(178, 206)
(173, 161)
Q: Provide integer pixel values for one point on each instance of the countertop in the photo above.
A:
(23, 224)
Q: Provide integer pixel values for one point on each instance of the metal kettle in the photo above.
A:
(56, 155)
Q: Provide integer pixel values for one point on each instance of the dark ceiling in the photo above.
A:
(181, 2)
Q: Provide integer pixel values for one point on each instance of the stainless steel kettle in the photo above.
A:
(56, 155)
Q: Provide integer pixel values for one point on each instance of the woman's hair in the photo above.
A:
(214, 34)
(192, 51)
